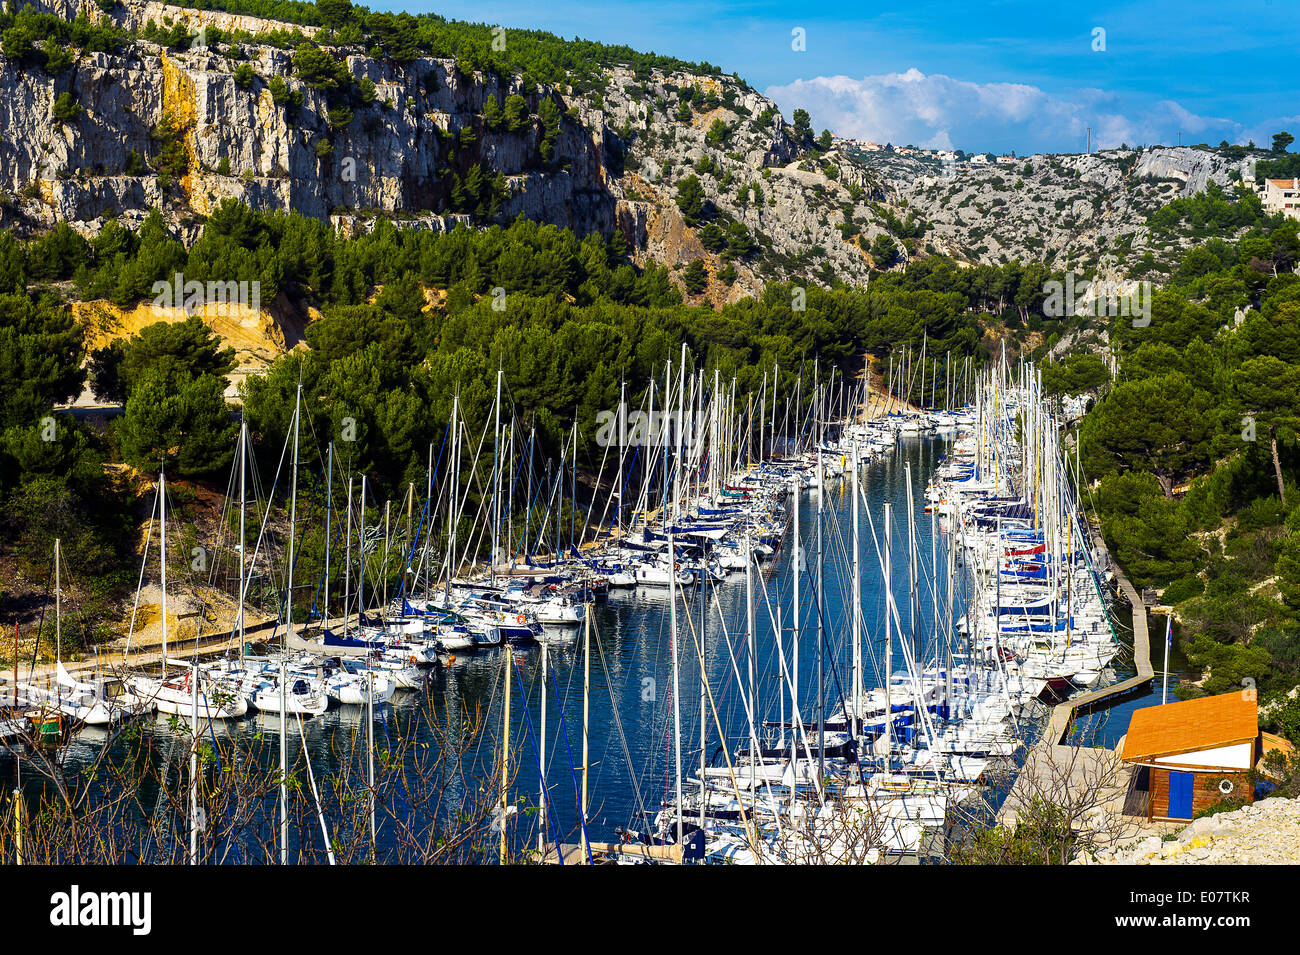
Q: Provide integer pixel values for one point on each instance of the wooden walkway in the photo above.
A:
(1051, 761)
(144, 656)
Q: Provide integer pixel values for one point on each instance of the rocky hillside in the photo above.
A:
(182, 125)
(1266, 833)
(188, 107)
(1074, 211)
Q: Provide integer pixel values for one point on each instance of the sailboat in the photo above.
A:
(189, 693)
(83, 704)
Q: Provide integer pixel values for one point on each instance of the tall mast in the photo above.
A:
(496, 509)
(505, 748)
(361, 557)
(573, 492)
(288, 631)
(798, 615)
(854, 606)
(663, 442)
(426, 527)
(621, 487)
(911, 552)
(329, 525)
(677, 700)
(162, 556)
(704, 677)
(541, 762)
(453, 478)
(347, 562)
(821, 635)
(889, 633)
(293, 516)
(58, 605)
(681, 417)
(752, 650)
(243, 459)
(586, 698)
(194, 756)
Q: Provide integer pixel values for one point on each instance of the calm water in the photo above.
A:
(631, 713)
(633, 771)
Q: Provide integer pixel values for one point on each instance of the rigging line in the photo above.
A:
(532, 740)
(148, 537)
(618, 723)
(595, 492)
(311, 778)
(572, 774)
(297, 554)
(751, 825)
(420, 529)
(40, 624)
(750, 713)
(266, 519)
(797, 714)
(458, 506)
(909, 663)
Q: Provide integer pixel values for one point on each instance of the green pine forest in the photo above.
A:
(1189, 451)
(568, 321)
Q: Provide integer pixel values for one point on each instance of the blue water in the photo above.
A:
(632, 770)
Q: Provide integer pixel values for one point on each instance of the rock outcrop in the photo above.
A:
(1070, 210)
(1265, 833)
(623, 146)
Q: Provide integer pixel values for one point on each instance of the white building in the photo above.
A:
(1282, 195)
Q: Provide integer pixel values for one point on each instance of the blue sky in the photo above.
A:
(974, 75)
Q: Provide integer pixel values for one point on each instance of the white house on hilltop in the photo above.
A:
(1282, 195)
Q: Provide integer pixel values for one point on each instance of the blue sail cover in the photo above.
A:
(1055, 627)
(331, 639)
(1021, 573)
(1045, 609)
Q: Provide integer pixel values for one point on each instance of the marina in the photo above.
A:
(812, 638)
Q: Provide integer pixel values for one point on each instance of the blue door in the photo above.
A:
(1180, 795)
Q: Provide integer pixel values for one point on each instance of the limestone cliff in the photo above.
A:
(619, 152)
(619, 155)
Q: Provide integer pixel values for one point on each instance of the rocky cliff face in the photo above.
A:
(392, 157)
(1265, 833)
(1072, 210)
(621, 151)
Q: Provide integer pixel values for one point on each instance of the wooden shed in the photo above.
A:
(1194, 752)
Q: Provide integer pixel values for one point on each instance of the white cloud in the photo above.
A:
(938, 111)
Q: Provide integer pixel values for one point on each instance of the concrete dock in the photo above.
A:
(1055, 767)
